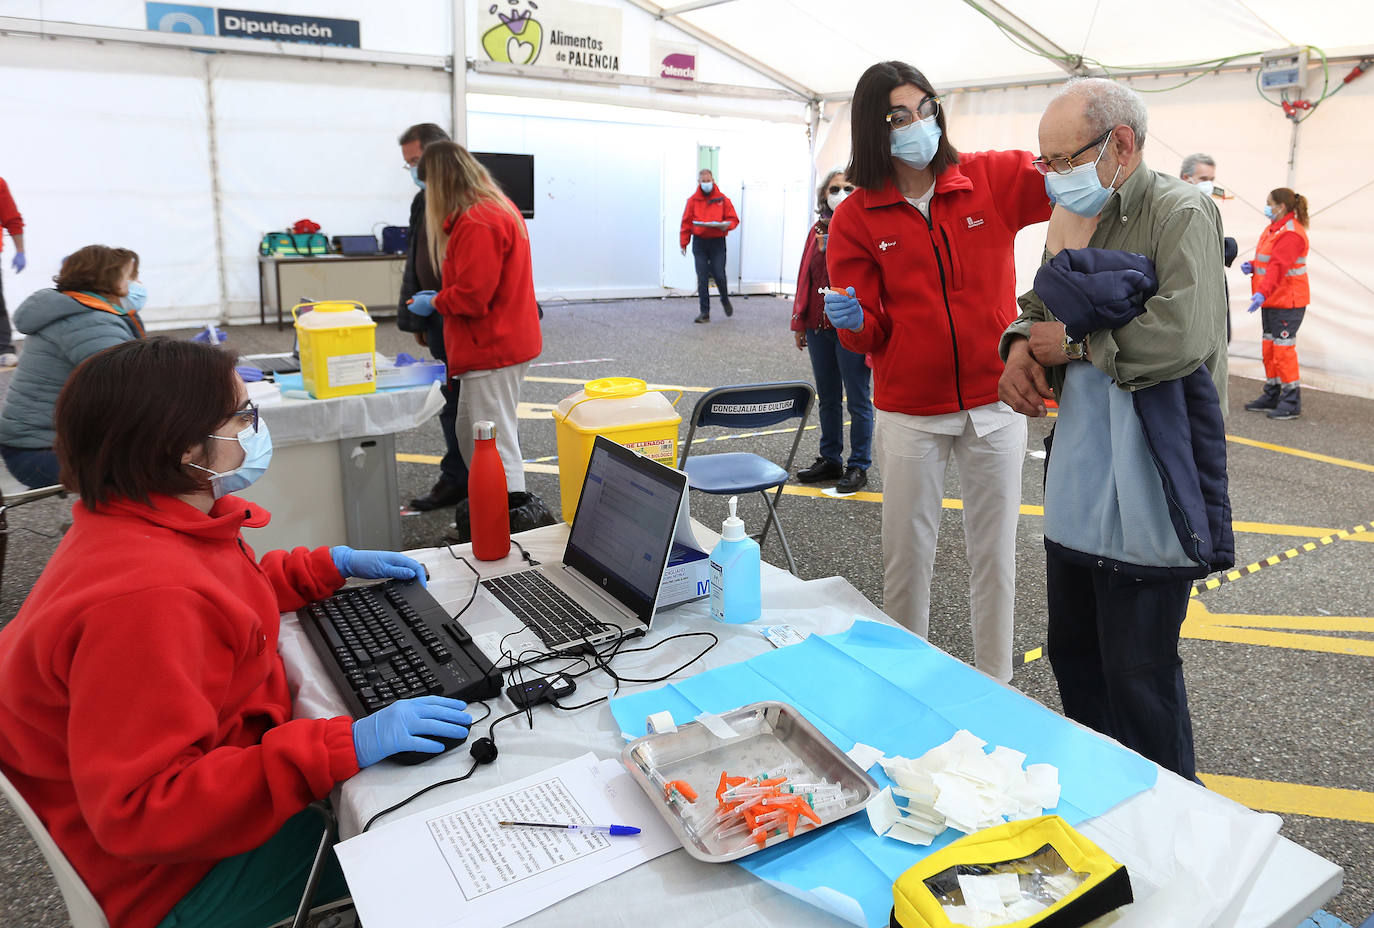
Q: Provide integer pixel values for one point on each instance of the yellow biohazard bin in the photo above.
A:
(338, 344)
(624, 410)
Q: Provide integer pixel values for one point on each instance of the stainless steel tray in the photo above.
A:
(769, 736)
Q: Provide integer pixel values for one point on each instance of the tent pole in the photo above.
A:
(1030, 35)
(1293, 157)
(458, 93)
(812, 130)
(216, 197)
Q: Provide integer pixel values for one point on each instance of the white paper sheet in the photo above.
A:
(454, 866)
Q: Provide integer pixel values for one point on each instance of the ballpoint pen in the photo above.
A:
(569, 826)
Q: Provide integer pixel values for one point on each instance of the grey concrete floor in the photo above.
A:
(1262, 712)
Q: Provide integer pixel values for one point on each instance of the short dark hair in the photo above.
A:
(426, 133)
(127, 415)
(870, 159)
(96, 268)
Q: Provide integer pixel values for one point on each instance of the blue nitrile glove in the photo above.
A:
(422, 303)
(843, 310)
(377, 565)
(405, 360)
(1247, 268)
(20, 262)
(249, 374)
(210, 335)
(402, 726)
(1256, 302)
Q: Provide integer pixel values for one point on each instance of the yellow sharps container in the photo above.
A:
(624, 410)
(338, 344)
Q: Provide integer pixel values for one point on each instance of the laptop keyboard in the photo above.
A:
(549, 612)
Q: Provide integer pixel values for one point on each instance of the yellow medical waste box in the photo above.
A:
(624, 410)
(338, 344)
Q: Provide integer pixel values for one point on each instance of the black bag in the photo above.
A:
(527, 511)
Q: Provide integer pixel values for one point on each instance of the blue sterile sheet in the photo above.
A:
(885, 687)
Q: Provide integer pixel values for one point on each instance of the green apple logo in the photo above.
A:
(518, 39)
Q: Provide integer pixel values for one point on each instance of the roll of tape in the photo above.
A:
(660, 723)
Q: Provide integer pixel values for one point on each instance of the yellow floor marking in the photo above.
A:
(1300, 453)
(1349, 805)
(1203, 625)
(1034, 655)
(419, 458)
(579, 381)
(1301, 531)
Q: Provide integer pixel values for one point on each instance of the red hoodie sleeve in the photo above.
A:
(10, 220)
(730, 215)
(851, 265)
(153, 775)
(805, 284)
(300, 576)
(477, 246)
(685, 233)
(1019, 189)
(1288, 247)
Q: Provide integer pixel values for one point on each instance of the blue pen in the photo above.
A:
(605, 829)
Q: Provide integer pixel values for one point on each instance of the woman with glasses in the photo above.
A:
(923, 280)
(145, 713)
(840, 374)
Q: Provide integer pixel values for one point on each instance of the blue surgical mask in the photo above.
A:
(257, 454)
(415, 175)
(137, 297)
(1080, 191)
(707, 186)
(1268, 212)
(916, 144)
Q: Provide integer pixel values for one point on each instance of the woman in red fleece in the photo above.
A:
(144, 711)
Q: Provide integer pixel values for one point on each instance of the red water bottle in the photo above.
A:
(488, 501)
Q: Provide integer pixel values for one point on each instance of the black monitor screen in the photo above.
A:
(515, 174)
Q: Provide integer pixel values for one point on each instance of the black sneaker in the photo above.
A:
(822, 469)
(729, 310)
(444, 493)
(854, 479)
(702, 318)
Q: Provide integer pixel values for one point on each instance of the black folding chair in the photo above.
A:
(748, 406)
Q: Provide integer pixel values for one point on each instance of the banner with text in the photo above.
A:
(673, 60)
(553, 33)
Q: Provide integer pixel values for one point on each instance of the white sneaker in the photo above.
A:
(9, 359)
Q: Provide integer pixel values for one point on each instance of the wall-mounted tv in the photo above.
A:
(515, 174)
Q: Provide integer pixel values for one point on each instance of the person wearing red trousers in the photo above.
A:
(923, 279)
(1278, 286)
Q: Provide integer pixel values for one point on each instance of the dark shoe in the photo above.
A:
(445, 493)
(1266, 400)
(528, 511)
(1289, 405)
(854, 480)
(822, 469)
(729, 310)
(702, 318)
(460, 532)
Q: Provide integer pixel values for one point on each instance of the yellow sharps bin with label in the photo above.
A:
(338, 345)
(624, 410)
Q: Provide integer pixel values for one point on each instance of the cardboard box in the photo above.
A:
(687, 576)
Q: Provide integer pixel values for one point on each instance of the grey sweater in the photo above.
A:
(61, 334)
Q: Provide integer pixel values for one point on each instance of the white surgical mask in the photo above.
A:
(835, 199)
(707, 186)
(1206, 186)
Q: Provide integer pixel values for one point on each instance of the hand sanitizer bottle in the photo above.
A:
(735, 581)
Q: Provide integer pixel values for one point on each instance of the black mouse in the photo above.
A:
(418, 757)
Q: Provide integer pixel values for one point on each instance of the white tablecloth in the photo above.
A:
(1195, 857)
(296, 421)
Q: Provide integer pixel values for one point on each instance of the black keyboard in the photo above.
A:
(392, 641)
(549, 612)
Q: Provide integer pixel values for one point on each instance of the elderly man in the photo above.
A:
(1200, 170)
(1135, 494)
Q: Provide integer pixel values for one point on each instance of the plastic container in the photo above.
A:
(736, 581)
(488, 500)
(338, 342)
(624, 410)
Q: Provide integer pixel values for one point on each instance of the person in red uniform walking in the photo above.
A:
(922, 258)
(706, 219)
(13, 223)
(145, 713)
(1278, 286)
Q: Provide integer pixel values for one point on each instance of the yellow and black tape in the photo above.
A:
(1211, 583)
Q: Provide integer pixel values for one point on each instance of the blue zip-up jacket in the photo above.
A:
(1090, 289)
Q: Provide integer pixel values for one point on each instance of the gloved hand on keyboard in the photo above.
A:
(403, 725)
(843, 310)
(377, 565)
(422, 303)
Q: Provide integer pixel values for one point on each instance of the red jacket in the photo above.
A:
(144, 711)
(1280, 271)
(937, 295)
(10, 220)
(491, 317)
(707, 207)
(808, 306)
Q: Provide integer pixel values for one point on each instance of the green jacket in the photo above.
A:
(1178, 228)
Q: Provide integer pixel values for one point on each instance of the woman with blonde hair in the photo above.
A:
(491, 321)
(1278, 284)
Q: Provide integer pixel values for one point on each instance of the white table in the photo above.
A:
(332, 479)
(1183, 845)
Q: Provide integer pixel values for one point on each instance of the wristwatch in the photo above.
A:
(1075, 351)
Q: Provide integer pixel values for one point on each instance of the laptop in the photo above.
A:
(606, 586)
(279, 363)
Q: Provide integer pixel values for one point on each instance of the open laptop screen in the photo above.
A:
(623, 530)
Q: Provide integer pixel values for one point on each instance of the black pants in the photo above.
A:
(710, 257)
(452, 467)
(7, 337)
(1113, 644)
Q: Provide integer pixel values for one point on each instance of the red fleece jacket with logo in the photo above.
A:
(707, 207)
(937, 294)
(144, 711)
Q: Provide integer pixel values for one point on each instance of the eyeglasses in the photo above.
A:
(1063, 165)
(248, 414)
(836, 188)
(900, 117)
